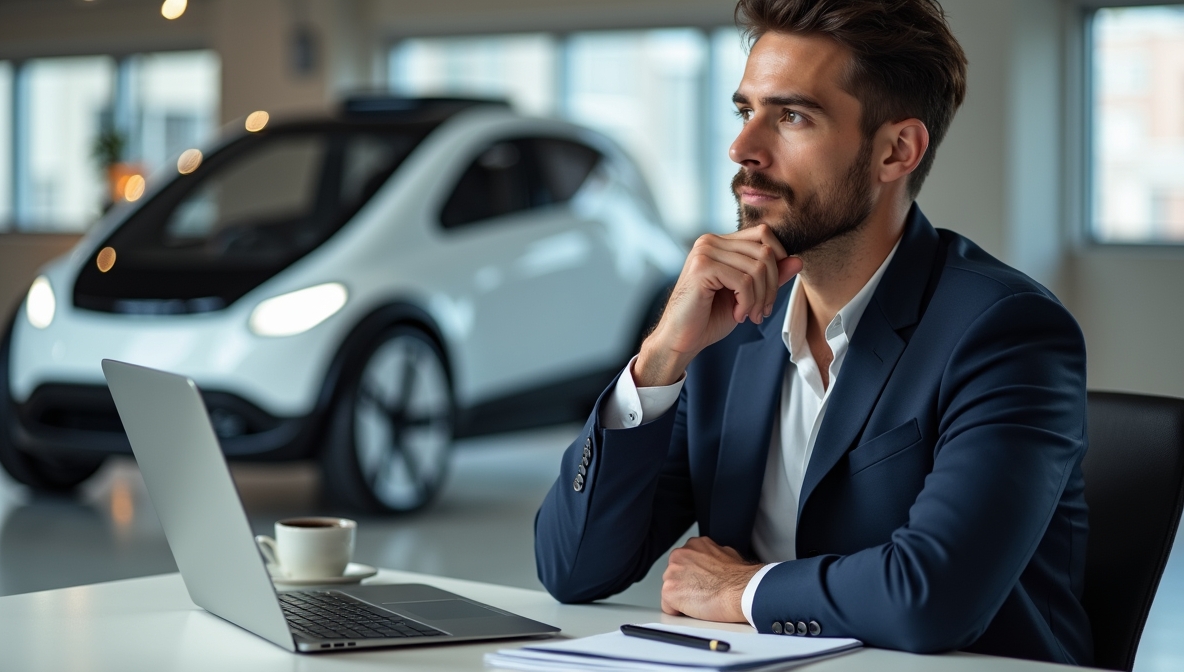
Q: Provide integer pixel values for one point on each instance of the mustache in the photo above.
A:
(761, 182)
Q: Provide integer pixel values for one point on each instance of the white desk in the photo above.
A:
(150, 624)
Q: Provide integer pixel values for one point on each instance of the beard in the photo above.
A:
(836, 210)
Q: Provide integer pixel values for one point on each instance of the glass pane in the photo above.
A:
(644, 89)
(498, 183)
(5, 146)
(1138, 133)
(564, 166)
(728, 59)
(249, 211)
(172, 105)
(268, 194)
(66, 100)
(518, 68)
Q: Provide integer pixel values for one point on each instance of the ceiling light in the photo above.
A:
(172, 9)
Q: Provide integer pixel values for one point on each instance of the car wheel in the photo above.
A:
(36, 472)
(390, 433)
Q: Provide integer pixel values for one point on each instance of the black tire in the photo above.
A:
(44, 474)
(389, 439)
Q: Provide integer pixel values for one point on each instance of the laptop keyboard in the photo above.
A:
(331, 615)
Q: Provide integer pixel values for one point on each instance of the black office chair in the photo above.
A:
(1134, 485)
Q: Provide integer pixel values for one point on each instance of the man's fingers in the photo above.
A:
(759, 283)
(760, 233)
(787, 268)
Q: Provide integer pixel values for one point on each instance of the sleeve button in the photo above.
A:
(583, 470)
(815, 629)
(776, 627)
(588, 443)
(578, 484)
(801, 627)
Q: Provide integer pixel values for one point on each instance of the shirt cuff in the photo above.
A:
(629, 406)
(750, 592)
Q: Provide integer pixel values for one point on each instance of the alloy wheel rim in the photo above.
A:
(402, 422)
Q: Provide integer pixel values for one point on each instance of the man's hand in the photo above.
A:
(706, 581)
(725, 280)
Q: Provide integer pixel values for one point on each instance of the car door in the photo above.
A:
(545, 289)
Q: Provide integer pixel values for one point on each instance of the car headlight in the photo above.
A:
(297, 312)
(40, 304)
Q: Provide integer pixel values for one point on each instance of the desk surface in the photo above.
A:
(150, 624)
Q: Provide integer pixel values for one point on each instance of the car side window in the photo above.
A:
(564, 166)
(516, 175)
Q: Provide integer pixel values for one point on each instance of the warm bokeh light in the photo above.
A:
(133, 187)
(257, 120)
(123, 508)
(172, 9)
(106, 259)
(189, 160)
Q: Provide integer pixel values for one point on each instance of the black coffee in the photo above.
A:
(309, 523)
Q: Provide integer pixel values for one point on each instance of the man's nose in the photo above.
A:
(751, 148)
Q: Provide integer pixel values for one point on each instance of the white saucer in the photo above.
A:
(354, 573)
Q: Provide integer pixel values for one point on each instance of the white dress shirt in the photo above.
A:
(803, 406)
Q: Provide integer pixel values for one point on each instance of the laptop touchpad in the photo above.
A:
(441, 610)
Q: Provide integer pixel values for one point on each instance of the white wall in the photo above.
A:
(1000, 178)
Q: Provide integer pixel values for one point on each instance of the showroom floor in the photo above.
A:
(110, 531)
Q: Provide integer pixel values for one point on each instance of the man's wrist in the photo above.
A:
(657, 366)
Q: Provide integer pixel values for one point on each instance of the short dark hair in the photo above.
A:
(906, 62)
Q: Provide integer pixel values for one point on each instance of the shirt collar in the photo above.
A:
(793, 331)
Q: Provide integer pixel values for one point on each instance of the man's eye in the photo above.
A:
(745, 114)
(792, 117)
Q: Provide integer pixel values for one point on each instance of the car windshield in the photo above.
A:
(249, 211)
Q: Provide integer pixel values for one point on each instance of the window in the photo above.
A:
(521, 69)
(516, 175)
(5, 146)
(61, 105)
(1138, 125)
(169, 104)
(245, 214)
(76, 117)
(663, 95)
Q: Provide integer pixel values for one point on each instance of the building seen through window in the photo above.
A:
(1138, 125)
(664, 95)
(75, 125)
(5, 145)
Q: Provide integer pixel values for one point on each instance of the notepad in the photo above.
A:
(614, 651)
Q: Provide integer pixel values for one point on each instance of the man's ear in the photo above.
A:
(902, 146)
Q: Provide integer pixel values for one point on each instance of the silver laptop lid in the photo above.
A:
(194, 497)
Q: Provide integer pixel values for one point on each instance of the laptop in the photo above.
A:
(207, 529)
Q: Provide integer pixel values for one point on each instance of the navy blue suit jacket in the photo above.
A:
(943, 503)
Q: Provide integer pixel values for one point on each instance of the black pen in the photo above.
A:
(674, 638)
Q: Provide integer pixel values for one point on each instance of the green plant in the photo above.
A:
(108, 147)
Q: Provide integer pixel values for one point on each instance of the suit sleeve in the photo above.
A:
(1012, 406)
(596, 539)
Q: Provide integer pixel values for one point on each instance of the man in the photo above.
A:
(888, 447)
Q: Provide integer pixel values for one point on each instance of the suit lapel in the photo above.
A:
(874, 349)
(870, 359)
(754, 394)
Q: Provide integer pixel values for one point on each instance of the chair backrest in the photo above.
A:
(1134, 486)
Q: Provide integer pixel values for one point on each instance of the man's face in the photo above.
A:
(805, 165)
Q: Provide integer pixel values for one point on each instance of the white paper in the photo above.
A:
(615, 651)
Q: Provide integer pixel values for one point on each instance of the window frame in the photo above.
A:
(1079, 117)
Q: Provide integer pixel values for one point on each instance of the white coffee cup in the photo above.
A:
(310, 548)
